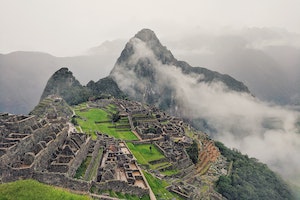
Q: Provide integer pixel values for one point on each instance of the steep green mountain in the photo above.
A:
(250, 179)
(146, 71)
(105, 86)
(62, 83)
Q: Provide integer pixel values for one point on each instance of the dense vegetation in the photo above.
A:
(33, 190)
(250, 179)
(192, 151)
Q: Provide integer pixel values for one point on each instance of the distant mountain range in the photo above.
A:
(24, 74)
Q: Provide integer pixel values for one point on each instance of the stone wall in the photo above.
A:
(153, 162)
(79, 157)
(94, 156)
(10, 174)
(160, 149)
(61, 180)
(42, 159)
(120, 186)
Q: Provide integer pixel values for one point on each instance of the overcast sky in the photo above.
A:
(69, 27)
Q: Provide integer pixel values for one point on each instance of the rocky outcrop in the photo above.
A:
(105, 87)
(64, 84)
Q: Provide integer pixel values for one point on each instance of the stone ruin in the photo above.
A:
(118, 164)
(51, 153)
(149, 122)
(168, 135)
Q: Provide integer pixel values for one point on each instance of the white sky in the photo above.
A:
(69, 27)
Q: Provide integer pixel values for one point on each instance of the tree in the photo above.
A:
(74, 121)
(192, 151)
(115, 117)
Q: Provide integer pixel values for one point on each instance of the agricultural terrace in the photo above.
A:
(94, 119)
(158, 187)
(147, 154)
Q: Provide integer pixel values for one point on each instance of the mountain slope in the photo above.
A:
(145, 71)
(64, 84)
(105, 86)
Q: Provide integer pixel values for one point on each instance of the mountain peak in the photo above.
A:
(64, 84)
(146, 41)
(146, 35)
(146, 69)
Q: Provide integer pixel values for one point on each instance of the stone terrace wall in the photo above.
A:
(62, 180)
(11, 174)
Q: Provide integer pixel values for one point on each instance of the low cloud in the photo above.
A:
(262, 130)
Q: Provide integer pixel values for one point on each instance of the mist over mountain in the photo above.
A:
(143, 68)
(217, 104)
(267, 60)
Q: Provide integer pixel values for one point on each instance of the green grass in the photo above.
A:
(84, 165)
(159, 187)
(88, 125)
(33, 190)
(144, 155)
(111, 108)
(125, 196)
